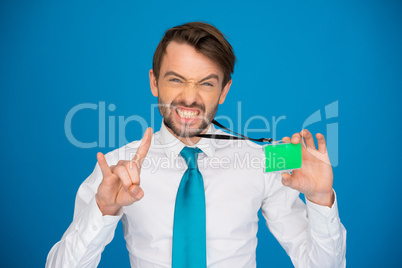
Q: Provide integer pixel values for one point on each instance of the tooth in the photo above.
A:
(186, 114)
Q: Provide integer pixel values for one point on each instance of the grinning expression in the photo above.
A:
(189, 90)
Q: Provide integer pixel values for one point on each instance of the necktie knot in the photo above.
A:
(190, 155)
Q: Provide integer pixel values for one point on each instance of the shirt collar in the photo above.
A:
(173, 146)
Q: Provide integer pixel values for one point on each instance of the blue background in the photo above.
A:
(294, 58)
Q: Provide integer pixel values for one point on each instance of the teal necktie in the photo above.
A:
(189, 235)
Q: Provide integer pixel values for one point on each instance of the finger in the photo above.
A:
(121, 172)
(144, 146)
(136, 192)
(308, 137)
(296, 138)
(322, 147)
(133, 172)
(286, 140)
(106, 171)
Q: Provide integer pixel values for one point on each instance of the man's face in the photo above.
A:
(189, 90)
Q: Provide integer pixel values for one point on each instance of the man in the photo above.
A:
(153, 186)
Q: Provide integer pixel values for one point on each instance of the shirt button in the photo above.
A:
(71, 262)
(332, 220)
(94, 227)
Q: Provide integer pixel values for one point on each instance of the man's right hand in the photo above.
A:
(120, 185)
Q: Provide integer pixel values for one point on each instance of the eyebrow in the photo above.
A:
(211, 76)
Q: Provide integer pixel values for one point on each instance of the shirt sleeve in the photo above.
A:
(88, 234)
(312, 235)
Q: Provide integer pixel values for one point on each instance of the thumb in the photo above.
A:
(287, 179)
(144, 146)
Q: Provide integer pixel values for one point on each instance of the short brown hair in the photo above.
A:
(206, 39)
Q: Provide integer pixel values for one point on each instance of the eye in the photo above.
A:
(176, 80)
(207, 84)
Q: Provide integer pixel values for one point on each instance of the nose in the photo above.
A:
(190, 93)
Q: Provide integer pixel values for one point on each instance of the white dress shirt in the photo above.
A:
(235, 189)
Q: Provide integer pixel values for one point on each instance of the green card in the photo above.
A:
(284, 156)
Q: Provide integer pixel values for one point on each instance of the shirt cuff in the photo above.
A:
(322, 219)
(94, 228)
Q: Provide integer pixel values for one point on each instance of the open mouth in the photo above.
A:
(186, 114)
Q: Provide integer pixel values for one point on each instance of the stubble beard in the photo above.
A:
(185, 130)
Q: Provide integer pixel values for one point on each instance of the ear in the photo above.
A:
(225, 91)
(153, 83)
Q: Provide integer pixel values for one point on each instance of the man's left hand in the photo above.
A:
(314, 179)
